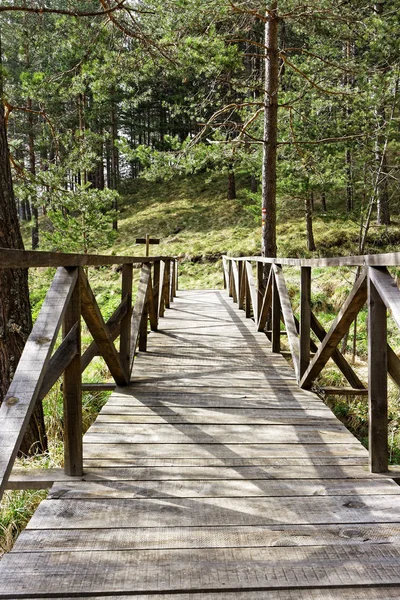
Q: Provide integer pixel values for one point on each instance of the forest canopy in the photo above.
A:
(99, 92)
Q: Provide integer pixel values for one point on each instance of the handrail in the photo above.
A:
(69, 298)
(390, 259)
(18, 259)
(269, 303)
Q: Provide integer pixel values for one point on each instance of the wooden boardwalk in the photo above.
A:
(213, 476)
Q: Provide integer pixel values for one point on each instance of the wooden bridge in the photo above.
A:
(212, 472)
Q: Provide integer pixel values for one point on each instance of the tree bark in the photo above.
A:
(231, 185)
(309, 222)
(32, 168)
(270, 132)
(114, 156)
(15, 311)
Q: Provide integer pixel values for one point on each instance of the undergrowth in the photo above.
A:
(196, 223)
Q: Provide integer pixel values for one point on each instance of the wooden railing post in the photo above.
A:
(174, 279)
(125, 335)
(247, 292)
(377, 381)
(156, 287)
(143, 328)
(72, 390)
(305, 318)
(230, 274)
(163, 287)
(276, 317)
(167, 283)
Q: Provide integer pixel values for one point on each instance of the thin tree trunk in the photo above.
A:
(231, 184)
(270, 132)
(32, 169)
(114, 158)
(323, 201)
(309, 222)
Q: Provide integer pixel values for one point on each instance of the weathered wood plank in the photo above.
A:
(22, 395)
(341, 324)
(252, 288)
(305, 319)
(137, 314)
(125, 327)
(199, 570)
(135, 538)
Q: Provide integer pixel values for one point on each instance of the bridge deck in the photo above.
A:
(213, 476)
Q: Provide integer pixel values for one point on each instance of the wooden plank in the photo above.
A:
(156, 292)
(120, 513)
(23, 392)
(72, 391)
(337, 356)
(222, 489)
(137, 313)
(163, 537)
(288, 318)
(390, 259)
(347, 593)
(161, 297)
(198, 570)
(252, 288)
(341, 324)
(387, 289)
(343, 391)
(242, 294)
(305, 319)
(229, 454)
(19, 259)
(152, 306)
(97, 327)
(377, 378)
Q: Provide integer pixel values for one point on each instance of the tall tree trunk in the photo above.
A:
(309, 221)
(32, 168)
(270, 132)
(382, 192)
(323, 201)
(231, 184)
(349, 182)
(15, 312)
(114, 157)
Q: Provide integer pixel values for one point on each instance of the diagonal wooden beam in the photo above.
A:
(288, 317)
(337, 356)
(99, 331)
(393, 364)
(60, 360)
(141, 299)
(242, 287)
(23, 392)
(152, 306)
(387, 289)
(266, 304)
(252, 287)
(341, 324)
(235, 281)
(113, 325)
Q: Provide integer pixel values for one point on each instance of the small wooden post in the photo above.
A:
(260, 288)
(276, 317)
(305, 318)
(167, 294)
(173, 282)
(377, 381)
(125, 336)
(147, 240)
(156, 286)
(163, 287)
(72, 391)
(230, 290)
(241, 292)
(247, 293)
(143, 328)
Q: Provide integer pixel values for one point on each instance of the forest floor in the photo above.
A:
(195, 222)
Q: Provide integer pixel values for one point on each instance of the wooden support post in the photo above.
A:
(163, 284)
(72, 391)
(174, 279)
(241, 288)
(247, 292)
(156, 287)
(377, 381)
(143, 329)
(230, 272)
(276, 317)
(125, 335)
(305, 319)
(167, 283)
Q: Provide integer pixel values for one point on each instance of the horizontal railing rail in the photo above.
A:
(69, 299)
(264, 296)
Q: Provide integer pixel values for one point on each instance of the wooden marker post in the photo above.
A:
(147, 240)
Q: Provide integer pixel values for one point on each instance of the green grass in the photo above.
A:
(196, 223)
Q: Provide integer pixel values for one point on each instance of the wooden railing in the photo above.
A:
(69, 298)
(264, 296)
